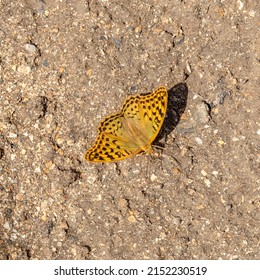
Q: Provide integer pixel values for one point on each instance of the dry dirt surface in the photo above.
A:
(65, 65)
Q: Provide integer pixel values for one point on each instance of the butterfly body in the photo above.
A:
(132, 130)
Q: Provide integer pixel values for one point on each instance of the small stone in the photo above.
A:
(175, 171)
(37, 170)
(189, 181)
(153, 177)
(30, 48)
(44, 205)
(198, 141)
(89, 72)
(122, 203)
(252, 13)
(258, 132)
(221, 142)
(24, 69)
(177, 220)
(229, 207)
(92, 176)
(74, 251)
(59, 140)
(215, 110)
(136, 171)
(240, 5)
(221, 97)
(7, 226)
(204, 173)
(188, 67)
(13, 236)
(49, 164)
(131, 219)
(12, 135)
(118, 43)
(162, 235)
(157, 187)
(201, 115)
(13, 156)
(138, 29)
(207, 182)
(133, 88)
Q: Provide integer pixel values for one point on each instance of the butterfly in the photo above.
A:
(132, 130)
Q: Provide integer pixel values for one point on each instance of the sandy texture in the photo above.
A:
(65, 65)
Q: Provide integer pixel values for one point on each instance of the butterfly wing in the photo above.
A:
(112, 143)
(132, 130)
(148, 111)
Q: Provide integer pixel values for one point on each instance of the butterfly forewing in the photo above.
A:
(153, 111)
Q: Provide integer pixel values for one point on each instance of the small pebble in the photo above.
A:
(118, 43)
(198, 141)
(136, 171)
(229, 207)
(153, 177)
(74, 251)
(12, 135)
(13, 156)
(240, 5)
(201, 115)
(59, 140)
(207, 182)
(221, 97)
(138, 29)
(30, 48)
(89, 72)
(177, 220)
(37, 170)
(221, 142)
(188, 67)
(133, 88)
(98, 197)
(131, 219)
(175, 171)
(6, 226)
(13, 236)
(24, 69)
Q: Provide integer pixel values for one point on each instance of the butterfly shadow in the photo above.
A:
(177, 101)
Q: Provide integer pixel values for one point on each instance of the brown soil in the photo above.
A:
(65, 65)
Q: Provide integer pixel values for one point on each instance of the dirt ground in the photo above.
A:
(65, 65)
